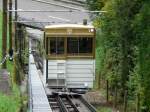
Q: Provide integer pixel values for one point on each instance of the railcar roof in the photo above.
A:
(69, 26)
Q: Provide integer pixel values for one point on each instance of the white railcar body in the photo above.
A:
(70, 70)
(72, 73)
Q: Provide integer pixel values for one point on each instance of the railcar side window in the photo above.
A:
(79, 45)
(56, 46)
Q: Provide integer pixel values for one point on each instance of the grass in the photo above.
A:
(9, 103)
(0, 33)
(104, 109)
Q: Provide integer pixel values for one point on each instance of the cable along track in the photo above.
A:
(69, 103)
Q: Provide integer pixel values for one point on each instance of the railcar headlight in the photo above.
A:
(91, 30)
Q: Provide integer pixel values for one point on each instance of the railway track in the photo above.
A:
(69, 103)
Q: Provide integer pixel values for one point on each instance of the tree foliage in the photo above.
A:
(95, 4)
(124, 46)
(142, 33)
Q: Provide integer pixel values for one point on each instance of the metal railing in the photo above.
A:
(30, 89)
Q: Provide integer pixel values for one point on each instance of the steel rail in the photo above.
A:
(91, 108)
(62, 105)
(72, 104)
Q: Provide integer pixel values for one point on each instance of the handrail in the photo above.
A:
(30, 88)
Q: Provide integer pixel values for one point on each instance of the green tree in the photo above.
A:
(142, 33)
(123, 46)
(95, 4)
(119, 41)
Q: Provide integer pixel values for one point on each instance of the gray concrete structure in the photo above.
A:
(38, 98)
(76, 16)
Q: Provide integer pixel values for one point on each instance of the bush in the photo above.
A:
(10, 103)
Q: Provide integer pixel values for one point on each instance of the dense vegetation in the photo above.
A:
(11, 102)
(123, 51)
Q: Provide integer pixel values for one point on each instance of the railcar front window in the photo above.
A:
(79, 45)
(72, 45)
(56, 46)
(85, 45)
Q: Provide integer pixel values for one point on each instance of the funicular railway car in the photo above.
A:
(70, 56)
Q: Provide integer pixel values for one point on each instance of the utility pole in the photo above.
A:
(16, 32)
(4, 34)
(10, 26)
(16, 74)
(10, 32)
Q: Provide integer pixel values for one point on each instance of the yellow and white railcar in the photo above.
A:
(70, 56)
